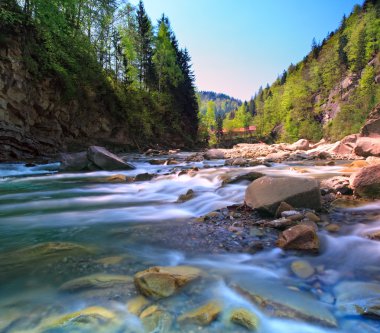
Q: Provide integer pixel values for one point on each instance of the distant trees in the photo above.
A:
(112, 47)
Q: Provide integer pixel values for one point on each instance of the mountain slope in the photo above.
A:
(332, 90)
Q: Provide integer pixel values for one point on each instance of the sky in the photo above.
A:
(239, 45)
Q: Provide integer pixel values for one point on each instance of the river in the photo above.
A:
(55, 227)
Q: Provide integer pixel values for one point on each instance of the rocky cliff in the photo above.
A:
(36, 120)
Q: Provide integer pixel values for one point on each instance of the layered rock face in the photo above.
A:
(36, 120)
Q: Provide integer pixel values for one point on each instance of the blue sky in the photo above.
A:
(238, 45)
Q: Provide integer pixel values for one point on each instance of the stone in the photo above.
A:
(74, 162)
(358, 298)
(160, 282)
(186, 197)
(368, 146)
(366, 183)
(277, 157)
(312, 217)
(276, 300)
(302, 237)
(281, 224)
(203, 315)
(337, 184)
(105, 160)
(137, 304)
(239, 161)
(372, 160)
(301, 144)
(109, 261)
(144, 177)
(302, 269)
(267, 193)
(245, 318)
(171, 162)
(155, 319)
(215, 154)
(251, 176)
(282, 208)
(347, 145)
(116, 179)
(374, 235)
(96, 281)
(332, 227)
(371, 127)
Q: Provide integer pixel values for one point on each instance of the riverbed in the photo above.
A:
(56, 227)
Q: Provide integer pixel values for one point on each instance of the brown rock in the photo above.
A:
(267, 193)
(337, 184)
(312, 217)
(366, 183)
(301, 237)
(159, 282)
(214, 154)
(372, 126)
(368, 146)
(282, 208)
(332, 227)
(186, 197)
(245, 318)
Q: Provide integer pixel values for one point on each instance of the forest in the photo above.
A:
(328, 94)
(113, 50)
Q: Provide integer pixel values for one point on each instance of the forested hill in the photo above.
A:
(223, 103)
(332, 90)
(76, 71)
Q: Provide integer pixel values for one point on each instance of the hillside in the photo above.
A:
(329, 93)
(75, 73)
(223, 103)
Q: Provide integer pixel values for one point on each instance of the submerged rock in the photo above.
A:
(96, 281)
(187, 196)
(203, 315)
(267, 193)
(366, 183)
(251, 176)
(137, 304)
(278, 301)
(302, 237)
(154, 319)
(159, 282)
(302, 269)
(245, 318)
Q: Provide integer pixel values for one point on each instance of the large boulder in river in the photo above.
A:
(105, 160)
(159, 282)
(267, 193)
(366, 183)
(366, 146)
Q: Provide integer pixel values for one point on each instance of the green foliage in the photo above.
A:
(292, 107)
(108, 50)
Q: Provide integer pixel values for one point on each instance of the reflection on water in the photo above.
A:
(57, 227)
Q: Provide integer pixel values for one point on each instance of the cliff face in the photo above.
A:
(35, 119)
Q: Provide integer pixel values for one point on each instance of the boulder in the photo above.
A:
(203, 315)
(371, 127)
(160, 282)
(105, 160)
(245, 318)
(251, 176)
(74, 162)
(214, 154)
(366, 146)
(302, 237)
(336, 184)
(277, 157)
(347, 145)
(366, 183)
(144, 177)
(301, 144)
(267, 193)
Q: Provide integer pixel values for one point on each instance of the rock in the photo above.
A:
(312, 217)
(372, 160)
(251, 176)
(302, 269)
(96, 281)
(116, 179)
(281, 224)
(74, 162)
(109, 261)
(137, 304)
(105, 160)
(332, 227)
(282, 208)
(337, 184)
(236, 162)
(347, 145)
(301, 237)
(358, 298)
(215, 154)
(155, 319)
(371, 127)
(159, 282)
(267, 193)
(157, 162)
(301, 144)
(366, 183)
(203, 315)
(374, 235)
(171, 161)
(245, 318)
(144, 177)
(368, 146)
(195, 158)
(186, 197)
(277, 300)
(277, 157)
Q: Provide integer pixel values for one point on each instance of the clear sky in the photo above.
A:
(239, 45)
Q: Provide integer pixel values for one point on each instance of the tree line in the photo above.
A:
(113, 48)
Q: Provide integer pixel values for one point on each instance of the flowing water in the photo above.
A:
(55, 227)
